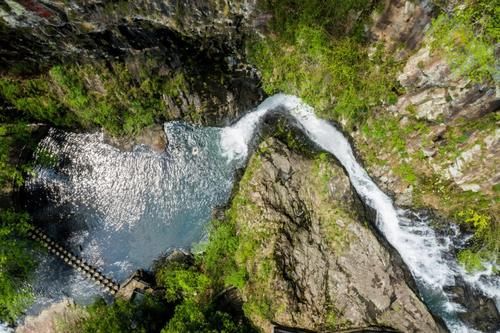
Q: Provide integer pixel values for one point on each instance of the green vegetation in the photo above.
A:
(329, 214)
(472, 261)
(119, 97)
(466, 36)
(318, 52)
(479, 222)
(189, 317)
(194, 287)
(399, 144)
(182, 282)
(16, 262)
(144, 316)
(11, 137)
(116, 97)
(16, 265)
(219, 255)
(189, 301)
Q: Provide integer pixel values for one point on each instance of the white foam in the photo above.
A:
(413, 238)
(5, 329)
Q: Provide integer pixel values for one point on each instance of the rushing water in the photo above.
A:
(121, 210)
(426, 254)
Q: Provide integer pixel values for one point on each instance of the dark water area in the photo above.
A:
(121, 210)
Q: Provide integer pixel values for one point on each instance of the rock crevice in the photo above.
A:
(326, 268)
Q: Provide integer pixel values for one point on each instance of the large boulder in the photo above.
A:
(318, 264)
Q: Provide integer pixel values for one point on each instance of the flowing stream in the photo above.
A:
(426, 254)
(121, 210)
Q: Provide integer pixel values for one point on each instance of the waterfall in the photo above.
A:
(417, 243)
(126, 208)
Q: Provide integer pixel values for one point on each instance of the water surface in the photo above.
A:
(121, 210)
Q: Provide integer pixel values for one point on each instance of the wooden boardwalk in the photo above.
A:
(74, 261)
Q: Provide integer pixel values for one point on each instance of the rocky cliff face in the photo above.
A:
(451, 137)
(35, 33)
(200, 39)
(317, 264)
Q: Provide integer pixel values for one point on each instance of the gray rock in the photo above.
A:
(201, 39)
(331, 271)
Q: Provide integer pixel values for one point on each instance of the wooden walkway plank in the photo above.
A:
(74, 261)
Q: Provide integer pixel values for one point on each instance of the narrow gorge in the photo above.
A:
(249, 166)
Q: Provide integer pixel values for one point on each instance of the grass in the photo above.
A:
(466, 37)
(116, 97)
(317, 51)
(140, 316)
(16, 261)
(16, 265)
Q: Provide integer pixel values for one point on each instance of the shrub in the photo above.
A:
(190, 318)
(471, 261)
(94, 95)
(147, 315)
(218, 257)
(16, 261)
(182, 282)
(331, 71)
(479, 222)
(466, 36)
(16, 264)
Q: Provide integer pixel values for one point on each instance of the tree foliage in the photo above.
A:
(143, 316)
(16, 264)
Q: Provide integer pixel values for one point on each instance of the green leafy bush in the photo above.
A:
(309, 57)
(479, 222)
(183, 282)
(218, 257)
(94, 95)
(472, 261)
(16, 261)
(190, 318)
(16, 264)
(145, 316)
(466, 36)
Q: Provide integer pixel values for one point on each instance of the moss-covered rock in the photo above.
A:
(415, 88)
(312, 260)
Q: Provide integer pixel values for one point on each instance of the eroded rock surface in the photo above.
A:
(318, 264)
(454, 141)
(200, 39)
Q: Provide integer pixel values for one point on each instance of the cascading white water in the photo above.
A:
(126, 208)
(414, 239)
(5, 329)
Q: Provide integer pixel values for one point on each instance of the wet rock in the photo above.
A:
(328, 269)
(448, 110)
(201, 39)
(434, 91)
(174, 256)
(154, 137)
(48, 321)
(455, 171)
(97, 28)
(401, 23)
(480, 311)
(139, 283)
